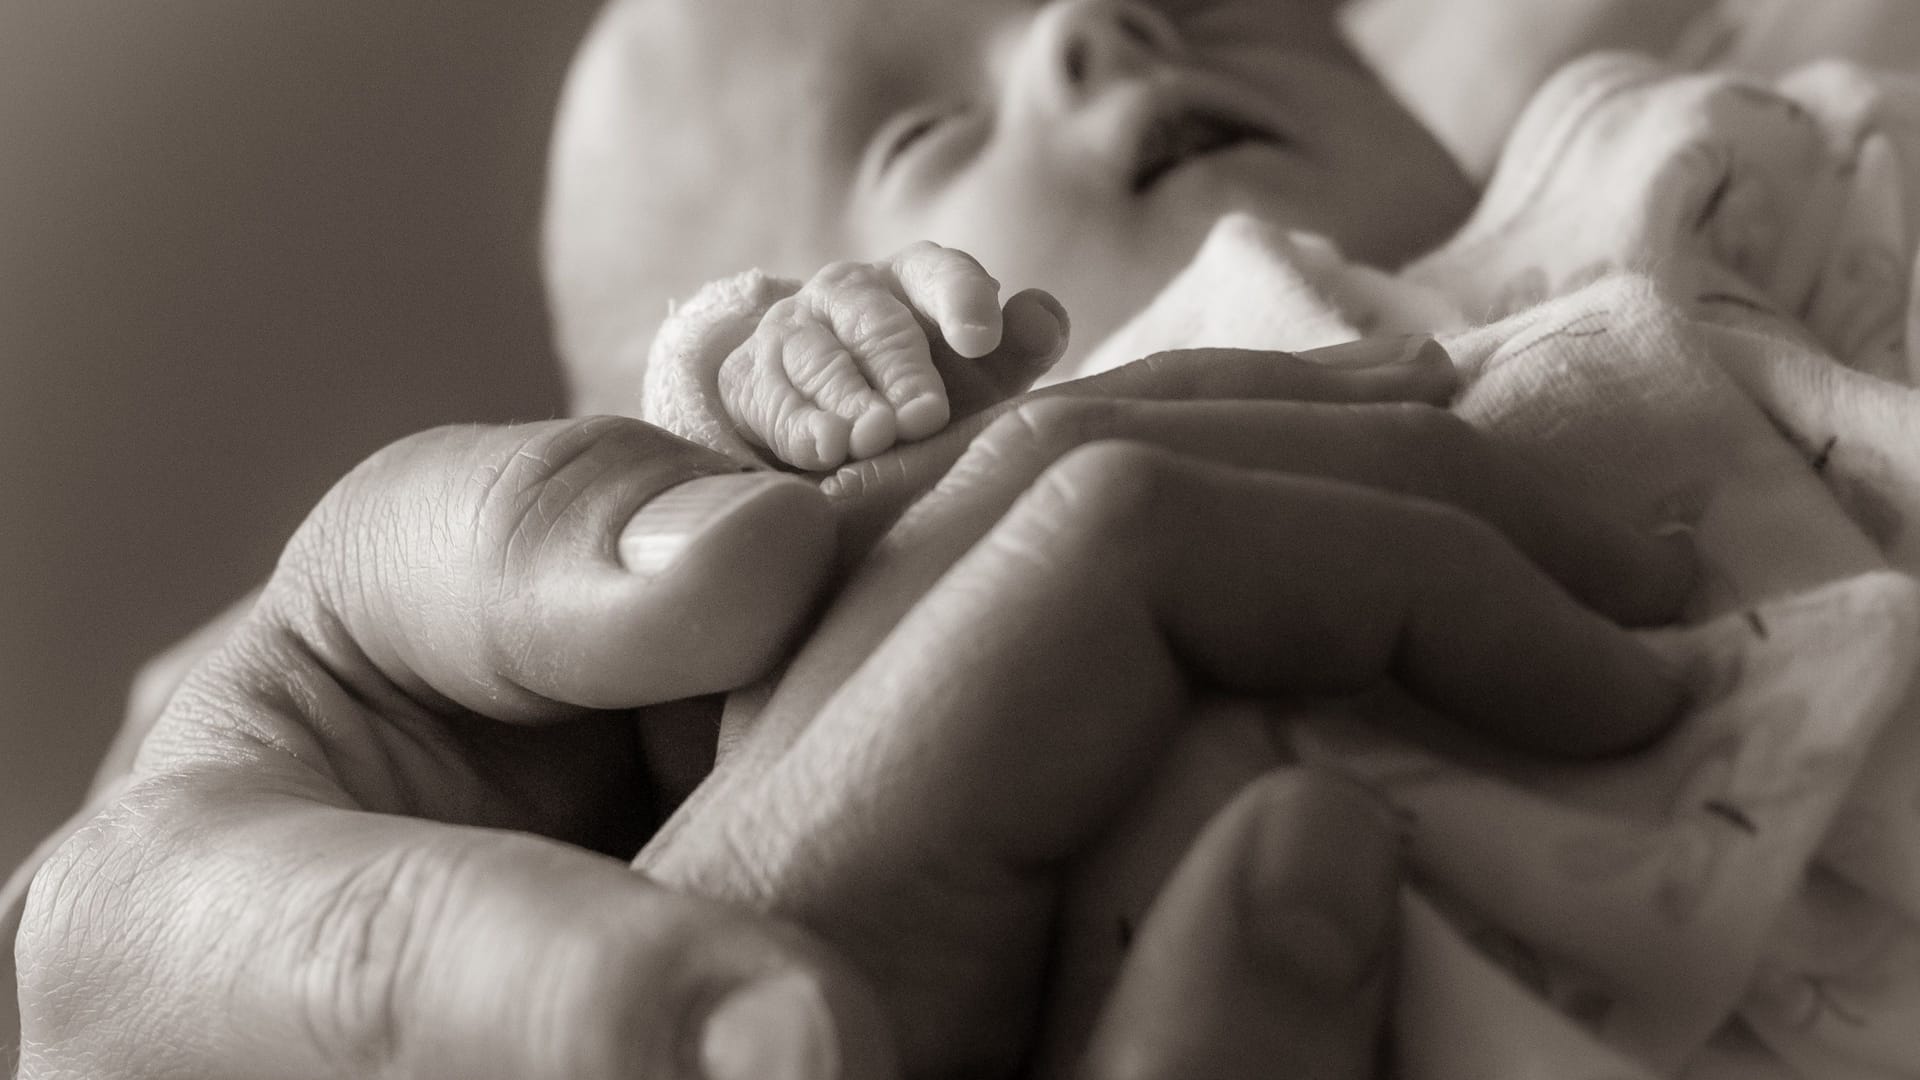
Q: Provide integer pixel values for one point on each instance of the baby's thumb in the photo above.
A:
(598, 563)
(1033, 339)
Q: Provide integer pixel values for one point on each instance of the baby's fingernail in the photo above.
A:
(974, 339)
(1380, 352)
(832, 438)
(776, 1029)
(674, 519)
(1323, 888)
(922, 416)
(873, 432)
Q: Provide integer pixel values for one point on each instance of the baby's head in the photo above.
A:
(1081, 146)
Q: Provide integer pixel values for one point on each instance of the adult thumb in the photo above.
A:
(599, 563)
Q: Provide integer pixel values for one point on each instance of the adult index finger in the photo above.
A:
(1414, 450)
(1045, 673)
(869, 495)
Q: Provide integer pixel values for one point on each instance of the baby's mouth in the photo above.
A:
(1175, 138)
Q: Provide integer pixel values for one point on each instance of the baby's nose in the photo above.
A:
(1089, 44)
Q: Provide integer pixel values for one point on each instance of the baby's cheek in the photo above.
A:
(1225, 747)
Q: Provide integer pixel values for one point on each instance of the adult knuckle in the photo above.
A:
(525, 502)
(1106, 488)
(1430, 424)
(1055, 424)
(1169, 371)
(66, 884)
(92, 904)
(632, 1000)
(363, 949)
(523, 494)
(1032, 436)
(1436, 442)
(370, 524)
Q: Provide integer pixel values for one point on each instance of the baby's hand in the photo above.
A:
(852, 362)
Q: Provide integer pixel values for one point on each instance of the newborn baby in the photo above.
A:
(1081, 146)
(1614, 922)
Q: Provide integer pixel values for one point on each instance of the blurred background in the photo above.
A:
(242, 245)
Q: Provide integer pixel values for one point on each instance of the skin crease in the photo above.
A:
(1008, 129)
(356, 939)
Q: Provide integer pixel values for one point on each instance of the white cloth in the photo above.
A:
(1691, 296)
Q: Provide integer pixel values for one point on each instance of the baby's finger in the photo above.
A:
(759, 396)
(819, 365)
(887, 342)
(955, 292)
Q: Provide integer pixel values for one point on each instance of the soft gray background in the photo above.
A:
(242, 244)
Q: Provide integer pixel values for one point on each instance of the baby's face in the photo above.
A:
(1082, 146)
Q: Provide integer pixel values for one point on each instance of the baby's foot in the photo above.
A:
(846, 367)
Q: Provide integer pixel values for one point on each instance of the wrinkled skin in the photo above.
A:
(306, 874)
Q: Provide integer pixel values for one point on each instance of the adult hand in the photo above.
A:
(309, 872)
(1019, 650)
(298, 879)
(348, 690)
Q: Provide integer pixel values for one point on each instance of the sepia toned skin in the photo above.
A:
(361, 651)
(362, 838)
(696, 140)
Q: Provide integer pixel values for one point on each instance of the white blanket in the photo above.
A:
(1687, 299)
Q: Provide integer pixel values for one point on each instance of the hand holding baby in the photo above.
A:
(331, 862)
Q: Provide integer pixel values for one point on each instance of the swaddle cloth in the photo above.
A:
(1686, 298)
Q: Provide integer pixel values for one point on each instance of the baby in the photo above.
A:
(1081, 146)
(1612, 925)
